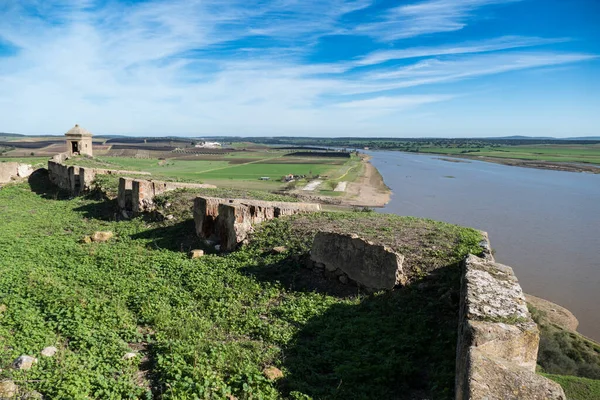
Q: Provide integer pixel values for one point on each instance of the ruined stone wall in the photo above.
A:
(13, 170)
(76, 179)
(230, 221)
(350, 257)
(497, 338)
(137, 195)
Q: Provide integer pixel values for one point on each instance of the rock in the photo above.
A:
(102, 236)
(495, 378)
(497, 338)
(86, 239)
(273, 373)
(169, 217)
(24, 362)
(196, 253)
(8, 389)
(343, 279)
(319, 265)
(129, 356)
(279, 249)
(33, 395)
(24, 170)
(330, 267)
(370, 265)
(49, 351)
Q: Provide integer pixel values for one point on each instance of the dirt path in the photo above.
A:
(312, 185)
(369, 190)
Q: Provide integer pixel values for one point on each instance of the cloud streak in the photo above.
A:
(238, 67)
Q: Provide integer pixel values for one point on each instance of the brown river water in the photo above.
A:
(545, 224)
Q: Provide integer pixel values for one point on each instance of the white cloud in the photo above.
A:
(170, 67)
(427, 17)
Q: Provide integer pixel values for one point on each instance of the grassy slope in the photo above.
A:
(577, 388)
(568, 358)
(204, 327)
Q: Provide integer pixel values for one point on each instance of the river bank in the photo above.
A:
(537, 164)
(543, 223)
(367, 190)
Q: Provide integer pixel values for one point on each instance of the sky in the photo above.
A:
(436, 68)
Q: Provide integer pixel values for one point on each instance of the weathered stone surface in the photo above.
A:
(142, 196)
(24, 170)
(8, 389)
(102, 236)
(124, 196)
(206, 211)
(273, 373)
(370, 265)
(492, 291)
(14, 170)
(77, 179)
(144, 191)
(49, 351)
(196, 253)
(494, 378)
(497, 339)
(231, 220)
(129, 356)
(234, 224)
(24, 362)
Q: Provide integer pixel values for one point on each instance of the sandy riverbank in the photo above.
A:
(551, 165)
(368, 190)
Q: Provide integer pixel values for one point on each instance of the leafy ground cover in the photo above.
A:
(577, 388)
(207, 327)
(568, 358)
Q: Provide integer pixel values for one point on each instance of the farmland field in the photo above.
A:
(242, 169)
(557, 153)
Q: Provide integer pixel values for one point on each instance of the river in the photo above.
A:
(545, 224)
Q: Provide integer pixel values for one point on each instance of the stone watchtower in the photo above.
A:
(79, 141)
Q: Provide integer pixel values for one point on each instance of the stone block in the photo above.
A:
(124, 195)
(370, 265)
(497, 339)
(206, 211)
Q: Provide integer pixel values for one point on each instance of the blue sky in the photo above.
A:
(444, 68)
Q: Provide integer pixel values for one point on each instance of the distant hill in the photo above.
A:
(4, 134)
(584, 138)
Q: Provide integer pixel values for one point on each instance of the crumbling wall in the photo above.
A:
(370, 265)
(13, 170)
(497, 338)
(231, 220)
(76, 179)
(142, 192)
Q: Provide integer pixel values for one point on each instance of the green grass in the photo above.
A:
(561, 153)
(577, 388)
(274, 167)
(206, 328)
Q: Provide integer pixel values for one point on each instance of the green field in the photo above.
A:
(207, 328)
(557, 153)
(239, 170)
